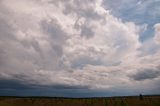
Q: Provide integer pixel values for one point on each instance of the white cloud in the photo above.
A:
(76, 43)
(157, 33)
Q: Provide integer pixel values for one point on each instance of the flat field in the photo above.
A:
(53, 101)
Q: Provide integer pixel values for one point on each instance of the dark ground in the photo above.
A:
(110, 101)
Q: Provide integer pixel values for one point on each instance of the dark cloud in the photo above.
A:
(145, 74)
(13, 84)
(21, 88)
(17, 88)
(21, 85)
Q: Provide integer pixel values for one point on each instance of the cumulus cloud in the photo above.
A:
(70, 44)
(157, 33)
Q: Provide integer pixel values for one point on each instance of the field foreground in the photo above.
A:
(112, 101)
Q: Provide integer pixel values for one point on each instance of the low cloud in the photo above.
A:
(146, 74)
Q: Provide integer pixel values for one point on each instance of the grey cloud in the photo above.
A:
(82, 61)
(22, 88)
(57, 36)
(145, 74)
(86, 32)
(8, 41)
(54, 31)
(13, 84)
(17, 84)
(57, 40)
(83, 9)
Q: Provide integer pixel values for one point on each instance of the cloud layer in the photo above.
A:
(74, 44)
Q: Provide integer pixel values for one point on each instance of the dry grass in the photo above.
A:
(115, 101)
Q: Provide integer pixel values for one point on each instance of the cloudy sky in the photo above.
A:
(79, 48)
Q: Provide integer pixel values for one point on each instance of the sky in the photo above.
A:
(79, 48)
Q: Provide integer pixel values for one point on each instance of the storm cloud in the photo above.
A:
(146, 74)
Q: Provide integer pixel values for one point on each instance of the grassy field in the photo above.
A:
(112, 101)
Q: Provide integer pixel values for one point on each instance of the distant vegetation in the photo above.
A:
(112, 101)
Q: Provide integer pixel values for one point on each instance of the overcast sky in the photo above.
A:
(79, 48)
